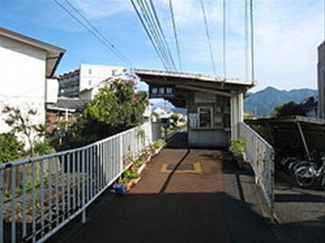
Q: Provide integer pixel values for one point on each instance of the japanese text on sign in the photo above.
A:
(161, 91)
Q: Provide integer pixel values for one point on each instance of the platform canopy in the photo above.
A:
(184, 82)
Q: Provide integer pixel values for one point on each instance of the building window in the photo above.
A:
(115, 72)
(205, 116)
(89, 82)
(89, 71)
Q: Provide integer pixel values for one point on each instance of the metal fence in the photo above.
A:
(260, 155)
(38, 196)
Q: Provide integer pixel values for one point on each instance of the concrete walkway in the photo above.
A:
(183, 196)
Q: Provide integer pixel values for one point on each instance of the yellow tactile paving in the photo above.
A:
(196, 169)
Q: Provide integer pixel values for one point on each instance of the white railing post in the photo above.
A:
(83, 187)
(121, 152)
(1, 206)
(13, 204)
(53, 196)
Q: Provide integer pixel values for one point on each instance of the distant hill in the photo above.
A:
(263, 102)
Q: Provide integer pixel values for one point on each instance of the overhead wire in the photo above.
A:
(117, 51)
(252, 42)
(208, 36)
(224, 40)
(246, 41)
(147, 30)
(146, 12)
(94, 31)
(175, 34)
(163, 35)
(155, 31)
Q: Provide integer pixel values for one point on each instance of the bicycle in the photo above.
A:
(305, 175)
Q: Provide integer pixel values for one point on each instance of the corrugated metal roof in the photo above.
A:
(72, 104)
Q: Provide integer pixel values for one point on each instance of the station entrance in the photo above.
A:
(214, 105)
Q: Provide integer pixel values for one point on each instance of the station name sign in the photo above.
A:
(161, 91)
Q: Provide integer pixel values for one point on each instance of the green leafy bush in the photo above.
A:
(10, 148)
(237, 145)
(43, 148)
(130, 174)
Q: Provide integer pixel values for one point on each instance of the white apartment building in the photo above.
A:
(26, 66)
(321, 80)
(85, 77)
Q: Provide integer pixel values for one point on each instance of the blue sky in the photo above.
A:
(287, 34)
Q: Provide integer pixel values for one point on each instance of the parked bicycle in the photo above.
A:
(308, 173)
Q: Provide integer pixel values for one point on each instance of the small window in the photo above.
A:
(89, 71)
(115, 72)
(89, 82)
(205, 116)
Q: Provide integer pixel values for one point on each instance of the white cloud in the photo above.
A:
(98, 9)
(287, 35)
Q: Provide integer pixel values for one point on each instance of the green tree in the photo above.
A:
(117, 105)
(289, 109)
(115, 108)
(174, 117)
(10, 148)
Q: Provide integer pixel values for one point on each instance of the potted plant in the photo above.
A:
(157, 146)
(131, 177)
(120, 186)
(237, 147)
(139, 164)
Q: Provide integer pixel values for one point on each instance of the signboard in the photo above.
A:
(161, 91)
(201, 97)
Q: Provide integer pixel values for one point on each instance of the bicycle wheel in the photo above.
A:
(304, 176)
(300, 164)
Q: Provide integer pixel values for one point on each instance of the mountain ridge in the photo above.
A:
(263, 102)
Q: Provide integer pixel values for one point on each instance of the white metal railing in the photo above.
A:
(40, 195)
(260, 155)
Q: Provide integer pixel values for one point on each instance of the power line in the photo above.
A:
(162, 33)
(149, 19)
(252, 41)
(246, 40)
(96, 33)
(224, 40)
(117, 52)
(156, 31)
(148, 30)
(208, 36)
(175, 34)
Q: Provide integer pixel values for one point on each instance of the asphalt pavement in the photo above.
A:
(198, 195)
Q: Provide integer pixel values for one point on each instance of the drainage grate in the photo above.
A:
(180, 167)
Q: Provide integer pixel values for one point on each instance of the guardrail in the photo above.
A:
(260, 155)
(38, 196)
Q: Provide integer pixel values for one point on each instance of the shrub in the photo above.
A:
(10, 147)
(43, 148)
(237, 146)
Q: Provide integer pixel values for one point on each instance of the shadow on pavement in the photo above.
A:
(172, 217)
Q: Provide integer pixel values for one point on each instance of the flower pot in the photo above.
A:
(141, 168)
(241, 160)
(119, 189)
